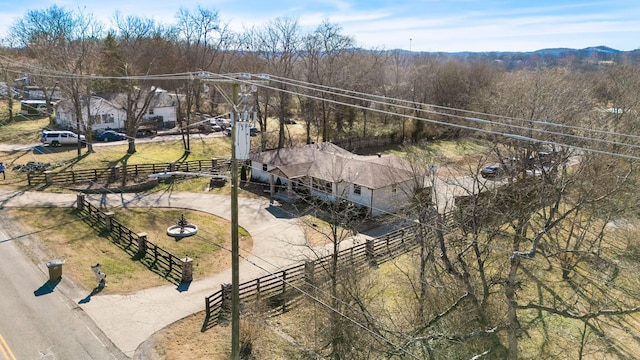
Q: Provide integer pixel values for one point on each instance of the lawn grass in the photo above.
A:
(65, 158)
(64, 235)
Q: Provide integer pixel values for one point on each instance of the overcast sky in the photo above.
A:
(419, 25)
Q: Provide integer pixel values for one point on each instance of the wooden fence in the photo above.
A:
(279, 291)
(112, 174)
(154, 257)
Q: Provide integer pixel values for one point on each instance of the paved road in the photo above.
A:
(158, 138)
(128, 320)
(37, 321)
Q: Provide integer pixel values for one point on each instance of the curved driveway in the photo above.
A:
(128, 320)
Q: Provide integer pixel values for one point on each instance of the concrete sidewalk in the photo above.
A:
(129, 320)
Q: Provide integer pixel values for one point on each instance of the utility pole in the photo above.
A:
(235, 258)
(240, 143)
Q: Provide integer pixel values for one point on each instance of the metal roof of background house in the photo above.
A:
(329, 162)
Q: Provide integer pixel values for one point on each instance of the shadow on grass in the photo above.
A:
(129, 245)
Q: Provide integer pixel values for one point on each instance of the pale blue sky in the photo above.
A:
(422, 25)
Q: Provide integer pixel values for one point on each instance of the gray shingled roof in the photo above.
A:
(329, 162)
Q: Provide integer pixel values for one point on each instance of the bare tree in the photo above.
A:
(327, 53)
(278, 43)
(143, 43)
(67, 40)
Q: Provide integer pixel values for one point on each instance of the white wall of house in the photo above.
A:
(392, 198)
(168, 114)
(106, 116)
(258, 174)
(347, 191)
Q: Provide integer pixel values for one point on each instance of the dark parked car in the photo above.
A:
(491, 171)
(110, 135)
(252, 132)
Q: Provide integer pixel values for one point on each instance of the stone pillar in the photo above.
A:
(370, 252)
(48, 177)
(226, 296)
(187, 269)
(115, 173)
(309, 271)
(272, 186)
(108, 220)
(142, 243)
(80, 201)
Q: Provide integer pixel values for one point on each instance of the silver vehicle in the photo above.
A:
(59, 138)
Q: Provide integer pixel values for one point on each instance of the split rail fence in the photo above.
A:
(136, 244)
(115, 173)
(281, 290)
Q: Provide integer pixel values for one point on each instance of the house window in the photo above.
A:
(150, 111)
(321, 185)
(108, 119)
(264, 167)
(357, 189)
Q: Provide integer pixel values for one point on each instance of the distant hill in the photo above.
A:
(588, 58)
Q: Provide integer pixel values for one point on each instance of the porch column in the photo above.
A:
(272, 186)
(289, 188)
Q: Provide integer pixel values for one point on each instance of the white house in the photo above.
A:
(382, 183)
(108, 112)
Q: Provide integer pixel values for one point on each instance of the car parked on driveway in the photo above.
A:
(63, 137)
(491, 172)
(110, 135)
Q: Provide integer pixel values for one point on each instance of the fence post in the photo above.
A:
(142, 243)
(108, 220)
(226, 296)
(284, 289)
(172, 166)
(214, 164)
(115, 173)
(309, 271)
(370, 252)
(29, 178)
(187, 269)
(80, 201)
(48, 177)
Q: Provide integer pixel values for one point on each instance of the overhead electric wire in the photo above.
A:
(366, 96)
(416, 110)
(466, 127)
(455, 125)
(397, 103)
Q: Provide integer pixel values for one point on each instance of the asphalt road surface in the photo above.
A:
(36, 320)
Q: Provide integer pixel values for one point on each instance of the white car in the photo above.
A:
(59, 138)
